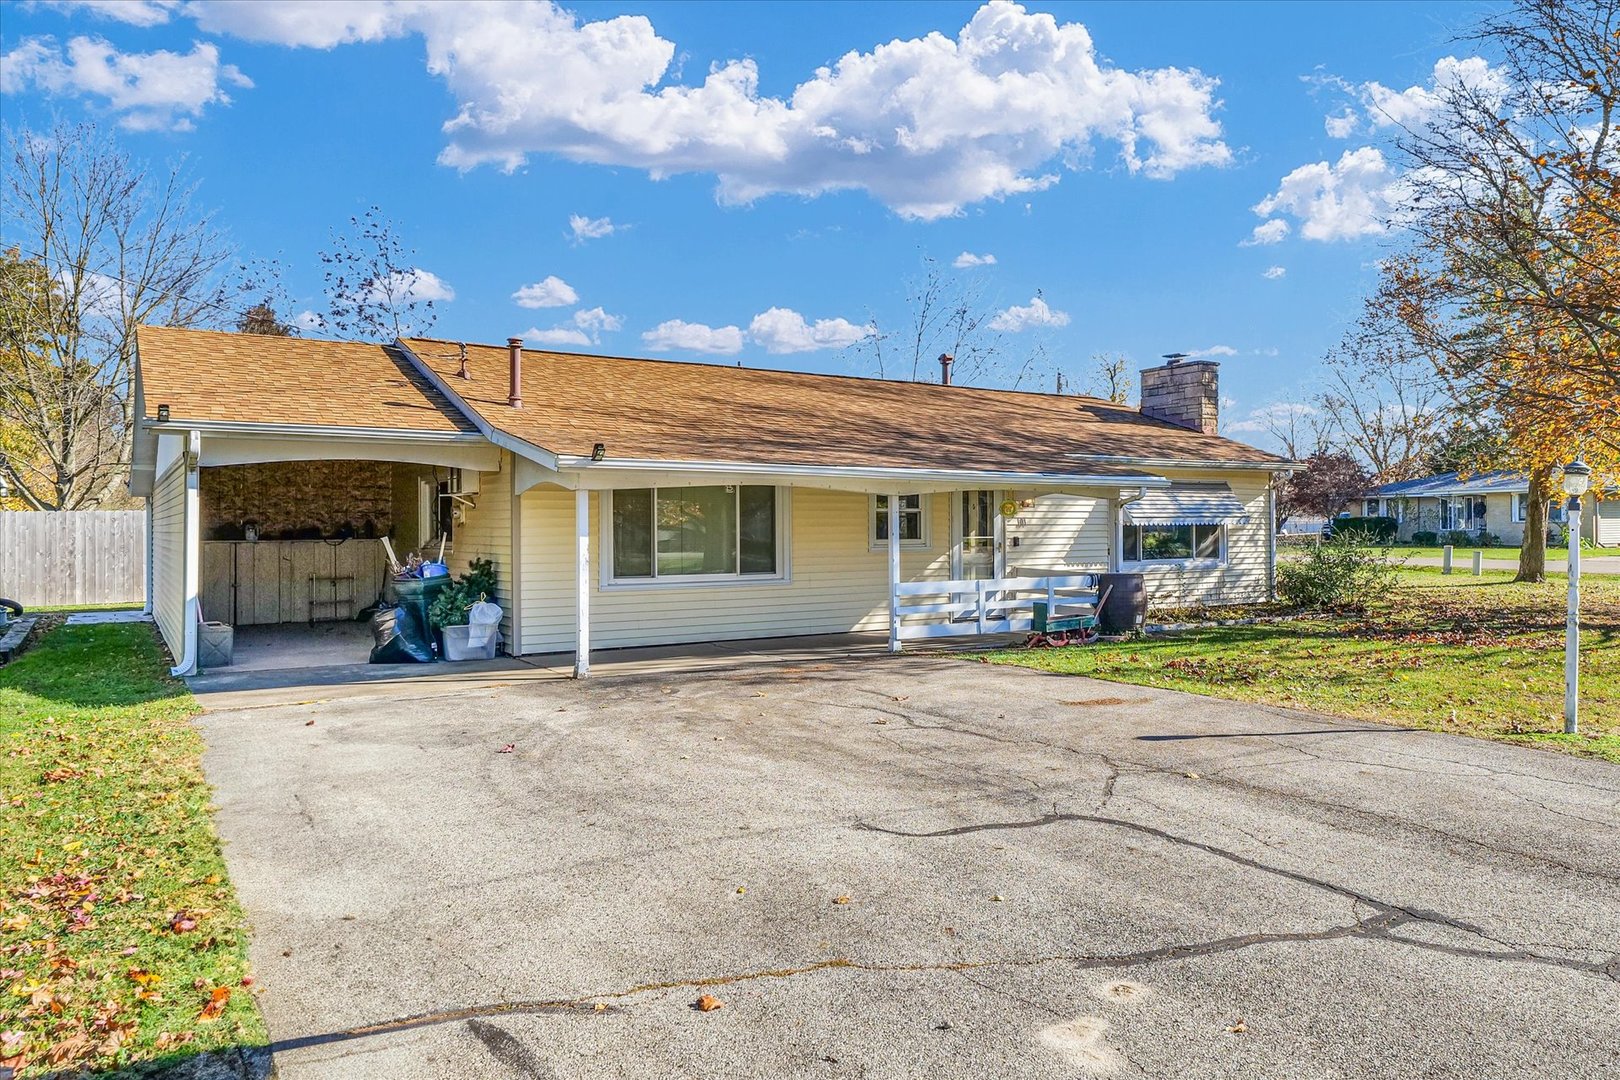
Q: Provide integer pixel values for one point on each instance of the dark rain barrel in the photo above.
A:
(1126, 608)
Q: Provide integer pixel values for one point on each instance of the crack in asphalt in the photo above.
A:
(1379, 926)
(1218, 776)
(1392, 914)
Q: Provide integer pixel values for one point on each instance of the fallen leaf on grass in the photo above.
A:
(708, 1003)
(216, 1003)
(507, 749)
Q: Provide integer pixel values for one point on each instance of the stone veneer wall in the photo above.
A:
(290, 498)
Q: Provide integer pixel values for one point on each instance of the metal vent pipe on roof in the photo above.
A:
(945, 362)
(514, 349)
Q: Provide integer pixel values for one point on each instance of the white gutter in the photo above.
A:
(322, 431)
(1188, 463)
(521, 447)
(862, 472)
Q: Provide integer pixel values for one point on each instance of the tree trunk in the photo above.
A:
(1533, 551)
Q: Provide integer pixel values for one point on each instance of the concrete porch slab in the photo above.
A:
(240, 686)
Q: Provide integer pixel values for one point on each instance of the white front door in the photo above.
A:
(978, 531)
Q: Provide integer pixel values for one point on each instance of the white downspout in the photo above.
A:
(1119, 525)
(149, 610)
(191, 556)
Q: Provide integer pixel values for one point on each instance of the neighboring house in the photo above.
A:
(636, 502)
(1492, 504)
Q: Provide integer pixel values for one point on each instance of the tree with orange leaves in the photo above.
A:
(1512, 281)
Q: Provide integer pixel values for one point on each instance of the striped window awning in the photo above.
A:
(1188, 504)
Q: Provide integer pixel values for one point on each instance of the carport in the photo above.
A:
(275, 525)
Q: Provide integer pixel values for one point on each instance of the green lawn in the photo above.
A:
(120, 938)
(1476, 656)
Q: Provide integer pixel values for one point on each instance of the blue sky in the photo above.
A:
(1110, 157)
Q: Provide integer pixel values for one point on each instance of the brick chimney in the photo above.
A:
(1183, 392)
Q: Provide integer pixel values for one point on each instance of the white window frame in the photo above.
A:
(783, 575)
(1185, 564)
(1370, 508)
(874, 515)
(1519, 507)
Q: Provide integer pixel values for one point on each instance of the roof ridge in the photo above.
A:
(1125, 412)
(786, 371)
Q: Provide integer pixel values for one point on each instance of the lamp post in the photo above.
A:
(1577, 475)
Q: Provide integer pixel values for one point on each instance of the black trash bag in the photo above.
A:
(399, 637)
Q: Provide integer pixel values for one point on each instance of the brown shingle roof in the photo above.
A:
(210, 375)
(670, 410)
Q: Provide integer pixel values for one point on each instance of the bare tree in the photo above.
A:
(1382, 399)
(102, 245)
(1112, 377)
(949, 313)
(261, 300)
(373, 290)
(1299, 428)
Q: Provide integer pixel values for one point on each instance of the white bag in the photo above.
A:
(483, 619)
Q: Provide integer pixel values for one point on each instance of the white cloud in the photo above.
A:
(1278, 415)
(694, 337)
(552, 291)
(1213, 350)
(783, 330)
(1413, 107)
(1272, 273)
(585, 228)
(317, 24)
(308, 320)
(412, 284)
(596, 321)
(1036, 314)
(925, 125)
(1268, 232)
(132, 12)
(1340, 125)
(1347, 199)
(589, 326)
(557, 335)
(967, 259)
(153, 91)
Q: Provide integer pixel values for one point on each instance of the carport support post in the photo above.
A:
(582, 583)
(894, 573)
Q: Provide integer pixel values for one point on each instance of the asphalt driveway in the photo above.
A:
(910, 868)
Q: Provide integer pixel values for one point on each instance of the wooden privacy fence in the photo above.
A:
(73, 557)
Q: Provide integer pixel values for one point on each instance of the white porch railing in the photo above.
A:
(942, 609)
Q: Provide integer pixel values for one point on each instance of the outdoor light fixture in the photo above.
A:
(163, 414)
(1577, 478)
(599, 451)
